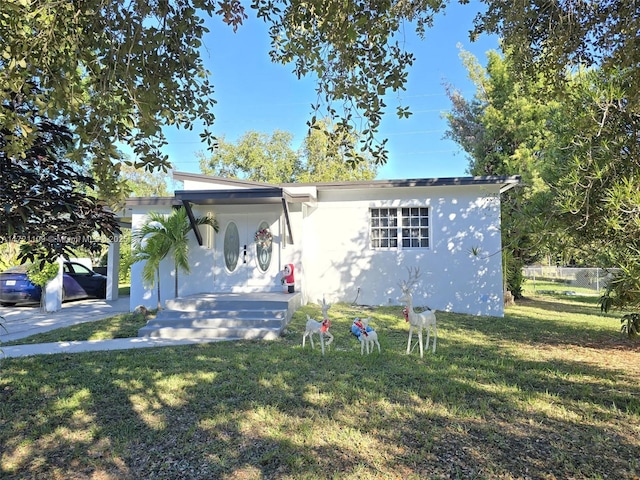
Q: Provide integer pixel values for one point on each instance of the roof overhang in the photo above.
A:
(245, 196)
(505, 182)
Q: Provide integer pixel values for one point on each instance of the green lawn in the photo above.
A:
(546, 287)
(550, 391)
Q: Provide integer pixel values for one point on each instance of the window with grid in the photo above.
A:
(415, 227)
(404, 227)
(384, 227)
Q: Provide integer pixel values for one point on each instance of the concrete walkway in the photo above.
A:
(21, 322)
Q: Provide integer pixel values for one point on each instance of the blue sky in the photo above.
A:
(255, 94)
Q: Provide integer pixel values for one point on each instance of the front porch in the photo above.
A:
(224, 316)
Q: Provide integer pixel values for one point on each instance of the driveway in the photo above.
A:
(24, 321)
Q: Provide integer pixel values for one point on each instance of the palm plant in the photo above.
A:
(162, 235)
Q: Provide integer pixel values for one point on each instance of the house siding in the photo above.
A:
(341, 265)
(461, 270)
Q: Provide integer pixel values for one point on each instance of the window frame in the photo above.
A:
(407, 217)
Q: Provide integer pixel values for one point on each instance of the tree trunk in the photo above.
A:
(159, 304)
(176, 281)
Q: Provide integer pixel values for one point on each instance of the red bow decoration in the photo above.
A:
(362, 328)
(325, 325)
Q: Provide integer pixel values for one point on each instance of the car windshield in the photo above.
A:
(77, 268)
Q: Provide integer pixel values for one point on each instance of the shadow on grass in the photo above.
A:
(273, 410)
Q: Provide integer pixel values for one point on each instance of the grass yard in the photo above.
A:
(550, 391)
(545, 287)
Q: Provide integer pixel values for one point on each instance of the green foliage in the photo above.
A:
(593, 169)
(556, 37)
(143, 183)
(9, 252)
(355, 50)
(324, 160)
(117, 71)
(592, 164)
(576, 150)
(161, 235)
(126, 257)
(256, 156)
(122, 71)
(41, 273)
(49, 206)
(502, 129)
(623, 291)
(270, 158)
(630, 324)
(512, 272)
(546, 381)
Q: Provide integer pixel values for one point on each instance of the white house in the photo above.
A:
(348, 241)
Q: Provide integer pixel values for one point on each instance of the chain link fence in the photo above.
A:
(567, 279)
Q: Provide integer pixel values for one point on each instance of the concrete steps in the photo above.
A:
(223, 317)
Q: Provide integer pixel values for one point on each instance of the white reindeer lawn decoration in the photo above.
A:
(321, 328)
(417, 320)
(368, 337)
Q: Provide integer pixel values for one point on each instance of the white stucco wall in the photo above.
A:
(333, 258)
(338, 260)
(206, 263)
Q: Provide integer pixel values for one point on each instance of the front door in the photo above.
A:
(247, 253)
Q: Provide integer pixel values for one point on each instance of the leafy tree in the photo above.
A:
(324, 160)
(578, 153)
(116, 71)
(594, 162)
(502, 130)
(256, 156)
(557, 37)
(593, 168)
(263, 158)
(162, 235)
(122, 71)
(504, 127)
(143, 183)
(47, 201)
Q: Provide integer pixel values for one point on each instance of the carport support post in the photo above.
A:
(53, 291)
(113, 264)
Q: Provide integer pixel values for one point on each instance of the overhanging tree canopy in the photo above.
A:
(46, 201)
(121, 70)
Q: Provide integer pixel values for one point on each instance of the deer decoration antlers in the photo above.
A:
(417, 320)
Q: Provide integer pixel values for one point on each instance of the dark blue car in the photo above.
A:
(77, 282)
